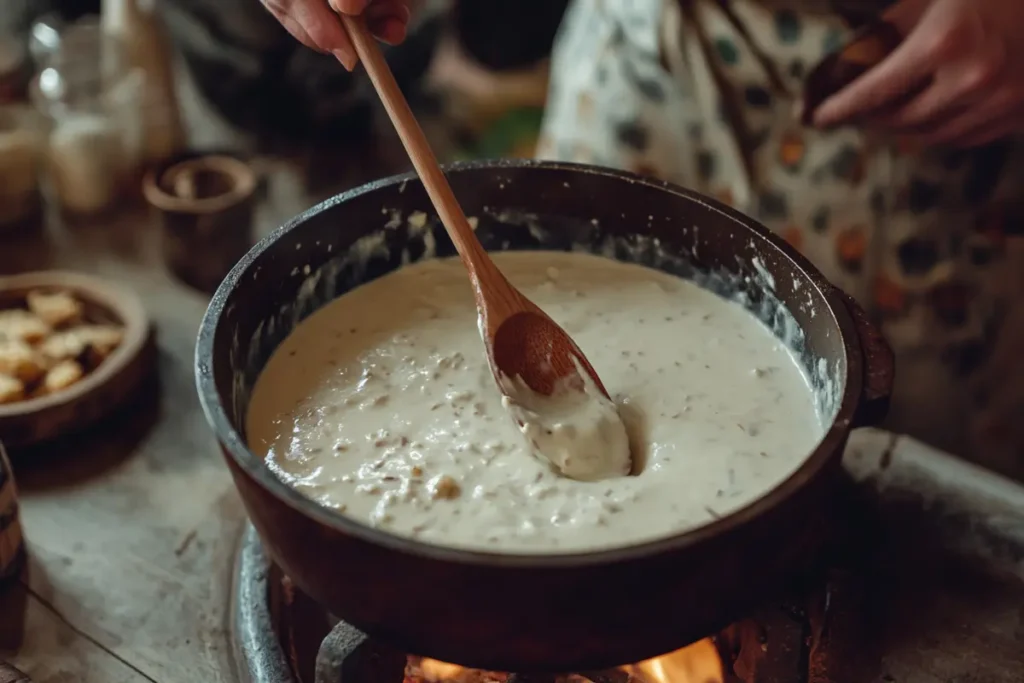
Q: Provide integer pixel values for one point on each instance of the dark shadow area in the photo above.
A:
(25, 251)
(505, 35)
(901, 600)
(75, 458)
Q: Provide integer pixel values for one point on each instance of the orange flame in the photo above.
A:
(697, 663)
(441, 672)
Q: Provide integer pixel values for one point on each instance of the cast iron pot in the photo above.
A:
(530, 613)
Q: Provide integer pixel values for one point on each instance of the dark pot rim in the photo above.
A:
(829, 448)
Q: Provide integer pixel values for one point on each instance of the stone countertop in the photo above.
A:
(132, 526)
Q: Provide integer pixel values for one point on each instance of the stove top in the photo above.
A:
(925, 583)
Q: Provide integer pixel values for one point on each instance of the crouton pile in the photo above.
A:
(48, 345)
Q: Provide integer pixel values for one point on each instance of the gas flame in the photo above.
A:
(697, 663)
(437, 671)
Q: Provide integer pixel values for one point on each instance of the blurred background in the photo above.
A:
(95, 94)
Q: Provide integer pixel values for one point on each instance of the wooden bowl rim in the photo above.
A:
(116, 299)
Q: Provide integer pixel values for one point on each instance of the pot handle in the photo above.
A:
(879, 366)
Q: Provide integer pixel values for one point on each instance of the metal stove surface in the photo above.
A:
(925, 584)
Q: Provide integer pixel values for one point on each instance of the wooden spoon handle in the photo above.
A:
(440, 192)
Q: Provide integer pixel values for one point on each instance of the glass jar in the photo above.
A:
(86, 161)
(87, 94)
(44, 37)
(22, 138)
(137, 26)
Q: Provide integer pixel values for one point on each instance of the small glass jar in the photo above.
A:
(85, 91)
(86, 161)
(22, 137)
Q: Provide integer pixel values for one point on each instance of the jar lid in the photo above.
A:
(44, 37)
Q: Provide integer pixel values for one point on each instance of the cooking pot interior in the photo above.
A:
(371, 231)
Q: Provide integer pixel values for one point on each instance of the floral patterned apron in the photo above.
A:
(703, 93)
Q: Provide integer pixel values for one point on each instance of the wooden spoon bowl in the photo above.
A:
(530, 345)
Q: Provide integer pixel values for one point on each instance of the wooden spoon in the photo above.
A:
(520, 339)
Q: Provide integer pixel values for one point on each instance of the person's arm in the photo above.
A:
(315, 24)
(966, 59)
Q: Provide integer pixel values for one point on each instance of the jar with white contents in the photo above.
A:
(86, 161)
(90, 154)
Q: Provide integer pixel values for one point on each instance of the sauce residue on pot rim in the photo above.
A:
(381, 405)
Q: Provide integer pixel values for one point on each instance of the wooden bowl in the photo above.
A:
(105, 388)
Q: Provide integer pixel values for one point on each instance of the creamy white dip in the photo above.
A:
(381, 405)
(576, 428)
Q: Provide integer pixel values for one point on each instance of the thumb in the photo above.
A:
(350, 6)
(904, 15)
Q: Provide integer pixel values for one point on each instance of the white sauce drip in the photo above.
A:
(381, 405)
(578, 431)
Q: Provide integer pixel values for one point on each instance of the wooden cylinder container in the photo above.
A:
(206, 206)
(11, 541)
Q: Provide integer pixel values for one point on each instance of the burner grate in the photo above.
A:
(926, 584)
(346, 655)
(772, 646)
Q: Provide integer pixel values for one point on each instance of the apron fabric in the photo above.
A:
(703, 93)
